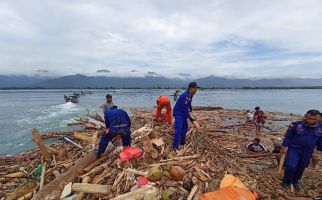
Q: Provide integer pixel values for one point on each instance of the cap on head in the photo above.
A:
(193, 85)
(313, 112)
(108, 96)
(111, 106)
(257, 108)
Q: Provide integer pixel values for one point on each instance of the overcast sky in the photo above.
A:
(235, 38)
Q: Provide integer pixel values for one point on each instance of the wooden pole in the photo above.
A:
(53, 189)
(282, 160)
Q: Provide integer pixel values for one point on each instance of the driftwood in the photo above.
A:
(139, 194)
(255, 155)
(280, 166)
(193, 191)
(81, 194)
(54, 188)
(46, 151)
(89, 188)
(42, 177)
(22, 191)
(83, 137)
(134, 171)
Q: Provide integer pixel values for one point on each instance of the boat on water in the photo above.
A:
(72, 98)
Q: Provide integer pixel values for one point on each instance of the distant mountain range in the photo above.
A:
(148, 81)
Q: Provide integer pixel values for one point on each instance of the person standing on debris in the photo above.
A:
(259, 118)
(300, 140)
(109, 100)
(316, 158)
(181, 113)
(256, 146)
(118, 123)
(164, 102)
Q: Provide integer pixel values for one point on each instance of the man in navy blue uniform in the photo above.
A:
(181, 113)
(117, 122)
(300, 140)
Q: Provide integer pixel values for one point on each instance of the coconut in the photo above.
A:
(177, 173)
(166, 195)
(155, 173)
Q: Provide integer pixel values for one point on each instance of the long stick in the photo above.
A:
(280, 167)
(193, 191)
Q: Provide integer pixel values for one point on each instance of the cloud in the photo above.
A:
(103, 71)
(226, 37)
(42, 70)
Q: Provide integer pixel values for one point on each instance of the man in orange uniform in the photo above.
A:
(164, 102)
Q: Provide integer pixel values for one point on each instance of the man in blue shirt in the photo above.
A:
(117, 122)
(300, 140)
(181, 113)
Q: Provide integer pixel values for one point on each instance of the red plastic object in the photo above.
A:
(130, 152)
(125, 156)
(143, 181)
(134, 151)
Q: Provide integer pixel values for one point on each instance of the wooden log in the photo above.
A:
(139, 194)
(46, 151)
(94, 139)
(100, 178)
(255, 155)
(22, 190)
(15, 175)
(96, 163)
(42, 177)
(95, 170)
(27, 196)
(280, 166)
(56, 173)
(81, 194)
(83, 137)
(90, 188)
(134, 171)
(62, 154)
(53, 189)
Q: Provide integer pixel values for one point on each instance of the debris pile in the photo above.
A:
(70, 169)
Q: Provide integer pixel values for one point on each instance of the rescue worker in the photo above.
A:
(181, 113)
(164, 102)
(316, 158)
(259, 118)
(300, 140)
(109, 100)
(117, 123)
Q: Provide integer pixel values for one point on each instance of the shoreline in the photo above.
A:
(222, 128)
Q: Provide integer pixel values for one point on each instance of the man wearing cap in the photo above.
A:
(181, 113)
(164, 102)
(109, 100)
(117, 123)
